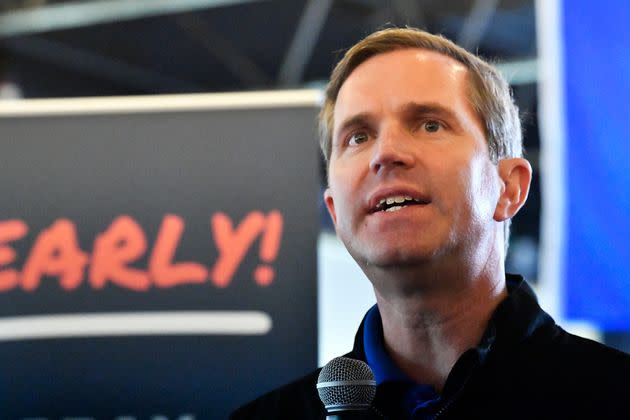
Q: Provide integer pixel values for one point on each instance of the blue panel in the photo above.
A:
(597, 88)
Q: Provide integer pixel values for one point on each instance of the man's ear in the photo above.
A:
(330, 205)
(516, 175)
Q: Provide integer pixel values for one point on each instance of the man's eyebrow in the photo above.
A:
(428, 108)
(411, 109)
(362, 118)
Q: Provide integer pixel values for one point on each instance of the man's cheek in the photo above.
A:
(344, 221)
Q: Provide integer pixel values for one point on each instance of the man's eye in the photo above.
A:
(432, 126)
(357, 138)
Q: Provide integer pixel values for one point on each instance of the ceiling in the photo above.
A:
(111, 47)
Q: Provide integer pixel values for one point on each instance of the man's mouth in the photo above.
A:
(397, 202)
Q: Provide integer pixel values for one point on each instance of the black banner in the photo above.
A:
(157, 263)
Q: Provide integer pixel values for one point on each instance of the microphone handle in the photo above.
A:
(349, 415)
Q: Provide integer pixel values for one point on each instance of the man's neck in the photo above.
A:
(426, 333)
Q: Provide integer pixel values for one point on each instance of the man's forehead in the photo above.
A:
(413, 59)
(413, 74)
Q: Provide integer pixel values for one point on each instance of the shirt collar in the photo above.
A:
(376, 356)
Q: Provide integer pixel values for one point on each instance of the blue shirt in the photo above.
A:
(415, 401)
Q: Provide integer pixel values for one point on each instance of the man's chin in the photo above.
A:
(393, 259)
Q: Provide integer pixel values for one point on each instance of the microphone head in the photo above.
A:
(346, 384)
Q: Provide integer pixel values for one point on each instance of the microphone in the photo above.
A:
(346, 387)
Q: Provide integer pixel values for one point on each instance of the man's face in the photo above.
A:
(404, 130)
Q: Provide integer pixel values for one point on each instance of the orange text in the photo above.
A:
(56, 252)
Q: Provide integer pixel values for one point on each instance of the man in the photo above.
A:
(423, 146)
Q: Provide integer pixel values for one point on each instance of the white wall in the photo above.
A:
(345, 294)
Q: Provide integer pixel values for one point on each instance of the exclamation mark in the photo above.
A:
(269, 247)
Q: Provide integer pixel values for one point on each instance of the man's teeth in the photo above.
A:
(398, 199)
(395, 199)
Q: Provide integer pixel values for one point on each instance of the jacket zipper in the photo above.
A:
(378, 413)
(453, 398)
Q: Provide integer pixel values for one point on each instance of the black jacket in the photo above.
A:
(526, 367)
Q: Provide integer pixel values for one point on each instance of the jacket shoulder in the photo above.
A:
(591, 355)
(297, 399)
(571, 364)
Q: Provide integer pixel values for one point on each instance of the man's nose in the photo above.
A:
(391, 150)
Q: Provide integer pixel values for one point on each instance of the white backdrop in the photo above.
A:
(344, 293)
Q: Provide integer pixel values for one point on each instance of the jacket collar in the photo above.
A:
(515, 319)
